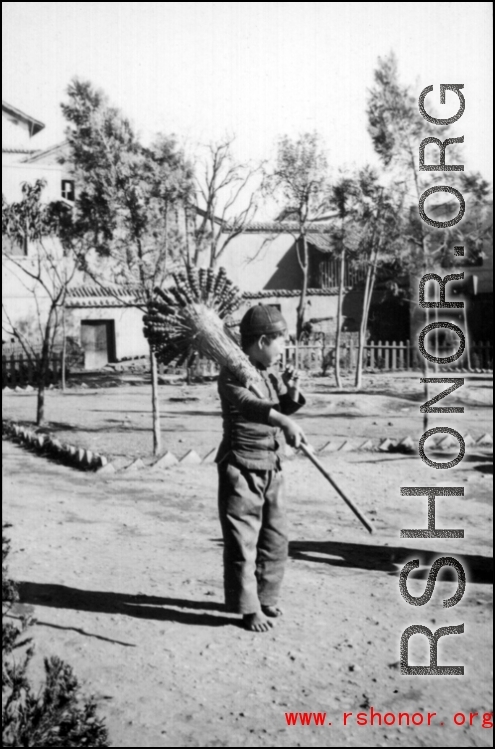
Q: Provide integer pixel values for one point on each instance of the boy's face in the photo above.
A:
(269, 350)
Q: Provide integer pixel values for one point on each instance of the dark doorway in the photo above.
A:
(98, 342)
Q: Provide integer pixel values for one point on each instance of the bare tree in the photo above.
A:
(222, 185)
(46, 274)
(345, 235)
(377, 217)
(300, 180)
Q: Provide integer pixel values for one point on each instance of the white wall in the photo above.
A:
(15, 133)
(130, 340)
(18, 300)
(318, 307)
(14, 174)
(251, 259)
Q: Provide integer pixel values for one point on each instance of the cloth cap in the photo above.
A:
(262, 319)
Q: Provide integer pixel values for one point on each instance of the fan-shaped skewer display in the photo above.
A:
(187, 318)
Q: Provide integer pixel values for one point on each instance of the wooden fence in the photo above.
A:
(18, 370)
(378, 356)
(384, 356)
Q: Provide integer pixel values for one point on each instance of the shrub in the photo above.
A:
(58, 715)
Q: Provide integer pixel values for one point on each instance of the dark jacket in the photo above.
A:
(248, 438)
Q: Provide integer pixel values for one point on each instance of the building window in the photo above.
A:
(14, 247)
(329, 274)
(68, 191)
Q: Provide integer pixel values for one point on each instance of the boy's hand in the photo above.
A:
(294, 435)
(290, 376)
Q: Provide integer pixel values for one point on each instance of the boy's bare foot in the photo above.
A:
(272, 611)
(257, 622)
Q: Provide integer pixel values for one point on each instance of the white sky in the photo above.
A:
(258, 70)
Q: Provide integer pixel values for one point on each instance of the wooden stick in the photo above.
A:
(309, 454)
(357, 512)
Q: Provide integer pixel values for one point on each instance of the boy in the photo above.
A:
(251, 506)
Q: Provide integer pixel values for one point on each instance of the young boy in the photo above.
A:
(250, 491)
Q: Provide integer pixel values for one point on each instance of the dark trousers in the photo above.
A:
(252, 515)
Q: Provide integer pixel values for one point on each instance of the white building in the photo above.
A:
(18, 131)
(262, 261)
(24, 162)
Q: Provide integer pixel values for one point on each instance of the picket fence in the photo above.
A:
(383, 356)
(19, 371)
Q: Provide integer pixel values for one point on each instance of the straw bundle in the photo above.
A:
(187, 318)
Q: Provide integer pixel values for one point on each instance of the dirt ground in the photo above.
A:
(116, 421)
(124, 574)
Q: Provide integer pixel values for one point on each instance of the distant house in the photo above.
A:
(106, 322)
(18, 131)
(23, 161)
(262, 261)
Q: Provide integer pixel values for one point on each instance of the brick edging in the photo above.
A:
(46, 444)
(87, 460)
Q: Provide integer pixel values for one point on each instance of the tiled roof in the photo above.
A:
(271, 227)
(27, 151)
(104, 296)
(284, 293)
(99, 296)
(121, 291)
(38, 155)
(105, 301)
(287, 227)
(36, 125)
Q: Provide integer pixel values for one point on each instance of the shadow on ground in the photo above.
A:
(155, 608)
(487, 468)
(478, 569)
